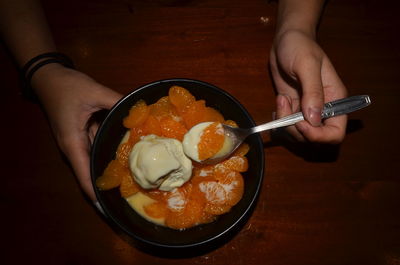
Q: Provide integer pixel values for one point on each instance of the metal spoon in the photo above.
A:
(235, 136)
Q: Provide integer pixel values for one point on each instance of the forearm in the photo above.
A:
(24, 29)
(302, 15)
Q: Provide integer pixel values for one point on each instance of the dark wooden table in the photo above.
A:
(318, 205)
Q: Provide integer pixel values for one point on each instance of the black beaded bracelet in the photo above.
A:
(35, 64)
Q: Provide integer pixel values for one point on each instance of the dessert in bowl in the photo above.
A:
(167, 234)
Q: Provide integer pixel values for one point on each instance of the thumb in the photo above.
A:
(312, 101)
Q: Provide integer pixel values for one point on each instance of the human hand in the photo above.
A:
(70, 98)
(305, 78)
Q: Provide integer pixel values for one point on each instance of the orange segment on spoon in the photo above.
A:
(211, 141)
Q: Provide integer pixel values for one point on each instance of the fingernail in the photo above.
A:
(314, 116)
(98, 206)
(280, 101)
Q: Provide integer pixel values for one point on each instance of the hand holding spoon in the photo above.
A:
(235, 136)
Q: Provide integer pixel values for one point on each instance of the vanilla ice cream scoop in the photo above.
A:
(158, 162)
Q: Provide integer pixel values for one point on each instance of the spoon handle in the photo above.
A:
(331, 109)
(345, 105)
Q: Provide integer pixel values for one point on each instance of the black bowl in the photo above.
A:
(152, 236)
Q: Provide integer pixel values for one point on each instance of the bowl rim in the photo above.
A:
(228, 229)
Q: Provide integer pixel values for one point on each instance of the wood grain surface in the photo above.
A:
(318, 204)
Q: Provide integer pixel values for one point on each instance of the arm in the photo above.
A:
(69, 97)
(303, 74)
(24, 29)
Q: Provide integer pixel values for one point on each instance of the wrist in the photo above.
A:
(44, 74)
(41, 63)
(288, 28)
(300, 16)
(44, 78)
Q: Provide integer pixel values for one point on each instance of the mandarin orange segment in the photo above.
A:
(152, 126)
(212, 114)
(236, 163)
(195, 113)
(212, 192)
(207, 217)
(211, 140)
(112, 176)
(242, 150)
(156, 210)
(203, 171)
(232, 182)
(137, 115)
(171, 128)
(216, 197)
(217, 209)
(128, 186)
(122, 154)
(186, 218)
(231, 123)
(177, 199)
(181, 98)
(156, 194)
(135, 134)
(163, 107)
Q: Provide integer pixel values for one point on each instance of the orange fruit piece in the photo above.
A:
(217, 209)
(203, 171)
(231, 123)
(181, 98)
(152, 126)
(137, 114)
(156, 194)
(213, 192)
(232, 182)
(172, 129)
(135, 134)
(207, 218)
(211, 141)
(195, 113)
(198, 112)
(242, 150)
(128, 186)
(212, 114)
(112, 176)
(122, 154)
(156, 210)
(215, 197)
(236, 163)
(176, 200)
(188, 217)
(163, 107)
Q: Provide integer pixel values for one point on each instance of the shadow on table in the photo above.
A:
(313, 152)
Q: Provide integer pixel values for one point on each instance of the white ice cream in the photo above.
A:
(158, 162)
(192, 139)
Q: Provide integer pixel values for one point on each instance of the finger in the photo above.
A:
(282, 85)
(332, 132)
(284, 108)
(92, 130)
(333, 85)
(76, 149)
(309, 73)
